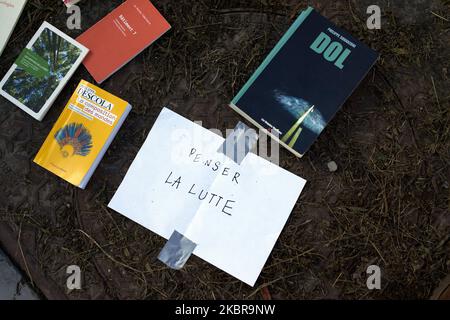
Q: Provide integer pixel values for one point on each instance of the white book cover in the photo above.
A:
(10, 11)
(234, 213)
(42, 70)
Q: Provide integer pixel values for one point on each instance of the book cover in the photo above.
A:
(234, 213)
(304, 81)
(41, 71)
(82, 134)
(10, 11)
(120, 36)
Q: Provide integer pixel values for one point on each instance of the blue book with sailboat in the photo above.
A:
(304, 81)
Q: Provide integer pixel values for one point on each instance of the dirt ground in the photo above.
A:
(387, 204)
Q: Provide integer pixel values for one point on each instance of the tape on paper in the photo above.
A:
(239, 143)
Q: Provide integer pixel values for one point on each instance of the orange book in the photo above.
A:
(120, 36)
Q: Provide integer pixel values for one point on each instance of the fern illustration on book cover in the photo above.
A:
(57, 55)
(41, 70)
(82, 134)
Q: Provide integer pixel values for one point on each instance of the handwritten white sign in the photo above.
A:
(234, 213)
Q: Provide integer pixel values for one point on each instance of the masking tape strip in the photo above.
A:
(239, 143)
(177, 251)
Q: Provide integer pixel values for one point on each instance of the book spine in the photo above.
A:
(105, 147)
(301, 18)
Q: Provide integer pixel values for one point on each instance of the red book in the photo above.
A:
(120, 36)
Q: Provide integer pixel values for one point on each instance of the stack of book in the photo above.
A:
(92, 116)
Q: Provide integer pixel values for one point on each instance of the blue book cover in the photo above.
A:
(304, 81)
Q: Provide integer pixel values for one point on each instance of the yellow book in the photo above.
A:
(82, 134)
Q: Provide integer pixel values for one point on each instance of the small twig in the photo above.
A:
(203, 25)
(270, 283)
(107, 254)
(23, 255)
(292, 258)
(246, 11)
(400, 102)
(142, 273)
(435, 92)
(439, 16)
(379, 253)
(337, 279)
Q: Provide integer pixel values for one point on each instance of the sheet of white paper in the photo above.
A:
(234, 213)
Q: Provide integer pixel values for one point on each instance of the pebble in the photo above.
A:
(332, 166)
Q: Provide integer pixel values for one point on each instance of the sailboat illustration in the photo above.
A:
(296, 128)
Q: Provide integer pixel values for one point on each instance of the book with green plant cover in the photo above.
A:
(41, 70)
